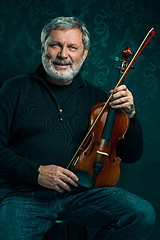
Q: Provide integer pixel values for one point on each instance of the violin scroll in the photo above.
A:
(124, 61)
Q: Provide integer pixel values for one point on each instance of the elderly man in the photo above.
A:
(44, 117)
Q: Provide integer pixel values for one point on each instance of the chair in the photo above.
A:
(63, 230)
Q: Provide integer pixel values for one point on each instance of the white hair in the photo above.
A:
(66, 23)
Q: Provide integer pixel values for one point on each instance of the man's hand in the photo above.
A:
(122, 98)
(56, 177)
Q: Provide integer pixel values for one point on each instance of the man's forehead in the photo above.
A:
(72, 33)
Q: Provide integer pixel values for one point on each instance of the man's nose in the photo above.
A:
(63, 53)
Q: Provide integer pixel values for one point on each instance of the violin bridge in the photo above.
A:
(103, 153)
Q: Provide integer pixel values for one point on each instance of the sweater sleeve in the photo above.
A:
(130, 148)
(12, 166)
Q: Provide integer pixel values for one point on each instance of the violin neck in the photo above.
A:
(109, 125)
(110, 121)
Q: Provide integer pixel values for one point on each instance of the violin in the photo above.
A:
(95, 163)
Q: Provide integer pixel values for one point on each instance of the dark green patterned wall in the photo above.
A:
(113, 25)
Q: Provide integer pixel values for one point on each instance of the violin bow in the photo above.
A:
(93, 126)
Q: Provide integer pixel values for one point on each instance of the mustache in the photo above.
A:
(58, 60)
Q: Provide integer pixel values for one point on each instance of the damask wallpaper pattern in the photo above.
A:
(113, 25)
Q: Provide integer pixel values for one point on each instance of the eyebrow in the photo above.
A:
(60, 44)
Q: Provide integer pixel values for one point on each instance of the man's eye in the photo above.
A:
(53, 45)
(72, 48)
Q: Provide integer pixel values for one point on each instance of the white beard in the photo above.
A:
(56, 76)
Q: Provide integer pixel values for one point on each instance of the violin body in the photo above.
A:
(98, 165)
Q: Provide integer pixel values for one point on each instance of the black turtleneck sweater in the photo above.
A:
(42, 124)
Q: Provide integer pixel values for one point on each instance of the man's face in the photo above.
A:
(63, 55)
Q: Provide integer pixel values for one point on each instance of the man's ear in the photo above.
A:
(42, 49)
(85, 54)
